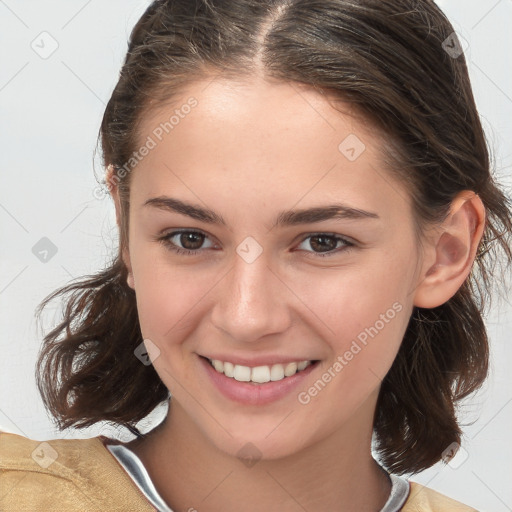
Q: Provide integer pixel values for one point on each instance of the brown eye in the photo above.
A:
(323, 243)
(185, 242)
(326, 243)
(191, 240)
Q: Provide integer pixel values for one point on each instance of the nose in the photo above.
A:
(251, 301)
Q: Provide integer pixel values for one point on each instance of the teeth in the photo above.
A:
(242, 373)
(218, 365)
(227, 368)
(277, 372)
(291, 369)
(258, 374)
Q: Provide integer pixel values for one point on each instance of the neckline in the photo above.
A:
(152, 498)
(136, 471)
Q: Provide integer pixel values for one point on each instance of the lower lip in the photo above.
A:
(255, 394)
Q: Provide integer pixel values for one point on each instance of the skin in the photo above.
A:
(249, 150)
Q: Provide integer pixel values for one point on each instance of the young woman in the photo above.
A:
(307, 219)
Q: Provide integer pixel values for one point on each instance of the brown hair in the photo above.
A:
(388, 60)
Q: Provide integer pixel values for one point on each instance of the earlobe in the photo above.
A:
(129, 278)
(456, 246)
(130, 281)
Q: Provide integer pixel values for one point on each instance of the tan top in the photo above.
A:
(81, 475)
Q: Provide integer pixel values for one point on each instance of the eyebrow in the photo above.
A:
(284, 218)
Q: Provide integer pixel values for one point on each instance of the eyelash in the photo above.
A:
(165, 240)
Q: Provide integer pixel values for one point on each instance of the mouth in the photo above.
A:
(259, 374)
(256, 385)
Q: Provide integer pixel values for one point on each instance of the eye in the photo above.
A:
(190, 242)
(327, 243)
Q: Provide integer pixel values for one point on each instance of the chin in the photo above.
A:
(251, 450)
(262, 441)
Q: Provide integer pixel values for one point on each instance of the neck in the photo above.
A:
(338, 473)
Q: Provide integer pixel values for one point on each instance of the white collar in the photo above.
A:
(138, 473)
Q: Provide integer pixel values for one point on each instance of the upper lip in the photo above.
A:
(262, 360)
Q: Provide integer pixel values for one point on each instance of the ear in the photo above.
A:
(451, 251)
(112, 181)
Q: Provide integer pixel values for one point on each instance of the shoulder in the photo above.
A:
(64, 474)
(423, 499)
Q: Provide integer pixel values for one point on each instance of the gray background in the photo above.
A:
(51, 107)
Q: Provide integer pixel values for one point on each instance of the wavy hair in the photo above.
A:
(391, 61)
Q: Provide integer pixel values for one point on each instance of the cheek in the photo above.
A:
(350, 301)
(168, 298)
(364, 314)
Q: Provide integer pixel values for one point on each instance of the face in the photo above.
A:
(278, 237)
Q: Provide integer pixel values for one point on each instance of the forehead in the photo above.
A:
(274, 141)
(258, 110)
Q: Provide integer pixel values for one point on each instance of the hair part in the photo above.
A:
(386, 59)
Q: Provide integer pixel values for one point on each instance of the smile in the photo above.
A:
(258, 384)
(258, 374)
